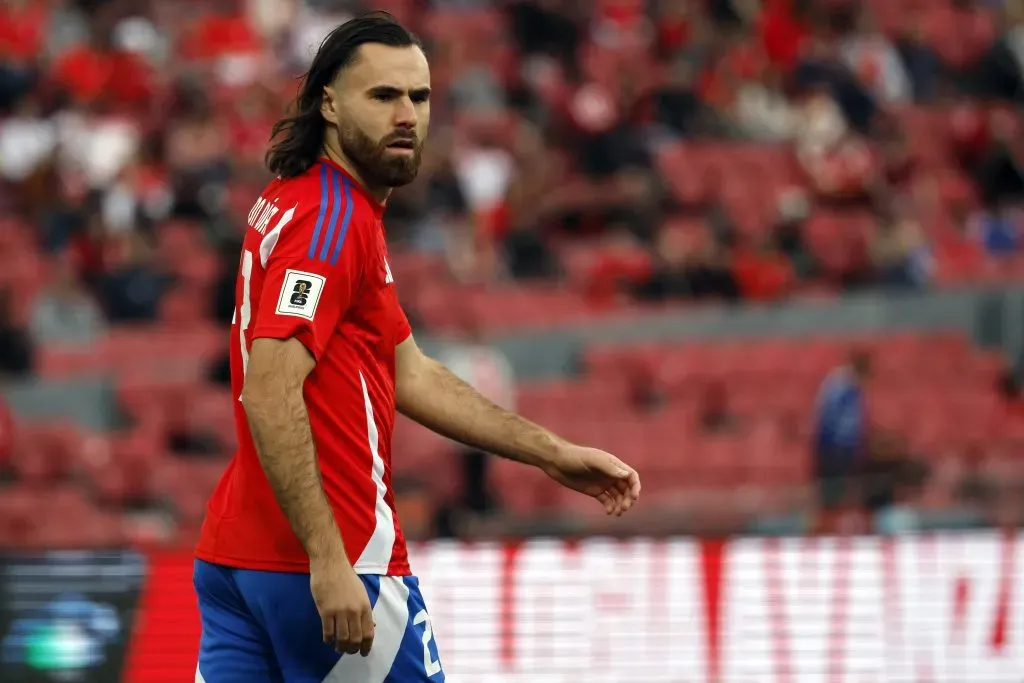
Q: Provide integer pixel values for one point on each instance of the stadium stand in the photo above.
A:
(609, 163)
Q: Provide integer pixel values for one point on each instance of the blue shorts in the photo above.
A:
(263, 627)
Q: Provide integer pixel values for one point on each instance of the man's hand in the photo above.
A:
(598, 474)
(344, 607)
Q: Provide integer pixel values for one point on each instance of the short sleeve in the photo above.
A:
(312, 269)
(403, 330)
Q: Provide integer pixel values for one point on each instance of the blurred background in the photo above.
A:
(771, 252)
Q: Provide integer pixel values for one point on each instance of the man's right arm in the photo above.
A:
(313, 269)
(312, 262)
(279, 423)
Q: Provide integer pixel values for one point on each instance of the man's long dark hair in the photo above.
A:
(297, 140)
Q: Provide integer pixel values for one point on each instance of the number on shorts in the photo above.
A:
(432, 667)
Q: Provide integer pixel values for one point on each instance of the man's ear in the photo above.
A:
(328, 105)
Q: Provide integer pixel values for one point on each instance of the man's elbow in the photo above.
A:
(269, 388)
(258, 397)
(253, 394)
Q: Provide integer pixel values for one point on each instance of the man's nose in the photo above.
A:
(405, 113)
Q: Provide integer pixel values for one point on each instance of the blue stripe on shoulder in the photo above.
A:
(323, 212)
(332, 225)
(344, 222)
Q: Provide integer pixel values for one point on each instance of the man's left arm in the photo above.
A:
(427, 392)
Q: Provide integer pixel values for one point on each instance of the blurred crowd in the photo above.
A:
(550, 123)
(655, 152)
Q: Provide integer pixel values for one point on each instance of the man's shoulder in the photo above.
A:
(325, 191)
(306, 186)
(319, 201)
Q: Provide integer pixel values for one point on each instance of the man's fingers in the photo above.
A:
(368, 630)
(624, 492)
(605, 498)
(341, 633)
(355, 634)
(327, 624)
(634, 484)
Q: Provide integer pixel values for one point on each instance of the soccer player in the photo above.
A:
(301, 566)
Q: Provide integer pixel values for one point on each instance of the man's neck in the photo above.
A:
(338, 157)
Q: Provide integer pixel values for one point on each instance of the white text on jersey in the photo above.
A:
(261, 213)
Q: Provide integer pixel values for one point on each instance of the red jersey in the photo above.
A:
(315, 267)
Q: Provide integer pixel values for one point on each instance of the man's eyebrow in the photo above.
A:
(388, 90)
(392, 91)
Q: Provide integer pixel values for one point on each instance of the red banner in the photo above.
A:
(928, 609)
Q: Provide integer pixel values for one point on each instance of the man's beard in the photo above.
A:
(377, 166)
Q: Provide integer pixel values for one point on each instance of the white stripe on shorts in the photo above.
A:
(391, 614)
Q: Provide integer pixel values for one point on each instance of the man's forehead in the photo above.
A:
(382, 65)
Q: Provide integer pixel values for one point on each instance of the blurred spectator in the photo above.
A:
(95, 145)
(763, 274)
(896, 159)
(762, 109)
(64, 313)
(686, 41)
(961, 31)
(431, 215)
(16, 348)
(677, 105)
(617, 267)
(132, 289)
(922, 64)
(689, 266)
(999, 71)
(482, 172)
(788, 233)
(998, 230)
(27, 141)
(197, 155)
(306, 24)
(1013, 40)
(784, 29)
(840, 435)
(546, 28)
(872, 57)
(998, 171)
(969, 133)
(836, 162)
(976, 489)
(890, 477)
(540, 195)
(900, 254)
